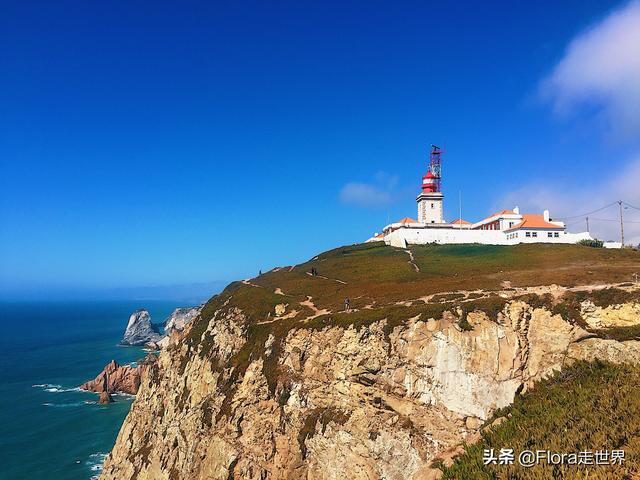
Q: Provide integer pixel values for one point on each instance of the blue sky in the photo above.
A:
(165, 143)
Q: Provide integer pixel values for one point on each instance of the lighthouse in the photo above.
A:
(430, 198)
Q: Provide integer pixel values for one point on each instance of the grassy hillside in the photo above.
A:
(587, 407)
(385, 283)
(375, 274)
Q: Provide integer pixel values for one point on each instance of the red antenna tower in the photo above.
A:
(435, 166)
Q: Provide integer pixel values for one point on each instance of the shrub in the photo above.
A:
(586, 407)
(595, 243)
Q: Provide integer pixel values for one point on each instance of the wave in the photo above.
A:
(66, 405)
(123, 395)
(62, 390)
(96, 463)
(46, 385)
(55, 388)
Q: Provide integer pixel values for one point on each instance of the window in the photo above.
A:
(528, 234)
(534, 234)
(550, 234)
(510, 224)
(556, 234)
(432, 206)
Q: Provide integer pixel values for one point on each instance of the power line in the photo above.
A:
(629, 205)
(609, 220)
(588, 213)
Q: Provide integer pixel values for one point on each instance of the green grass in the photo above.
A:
(377, 276)
(589, 406)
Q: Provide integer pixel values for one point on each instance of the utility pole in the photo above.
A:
(460, 204)
(587, 218)
(621, 224)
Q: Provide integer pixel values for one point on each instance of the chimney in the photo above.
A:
(516, 210)
(546, 215)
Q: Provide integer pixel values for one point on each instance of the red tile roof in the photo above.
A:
(407, 220)
(460, 221)
(534, 221)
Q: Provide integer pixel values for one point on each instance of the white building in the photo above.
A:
(507, 227)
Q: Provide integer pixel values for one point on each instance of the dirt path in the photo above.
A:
(316, 311)
(327, 278)
(412, 260)
(470, 295)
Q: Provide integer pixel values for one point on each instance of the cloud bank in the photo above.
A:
(568, 201)
(601, 70)
(381, 192)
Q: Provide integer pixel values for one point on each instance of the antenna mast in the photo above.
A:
(435, 166)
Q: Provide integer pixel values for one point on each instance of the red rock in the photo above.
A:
(120, 378)
(105, 398)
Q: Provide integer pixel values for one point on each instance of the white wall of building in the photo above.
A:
(421, 236)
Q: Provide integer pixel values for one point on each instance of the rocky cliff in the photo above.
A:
(273, 381)
(140, 330)
(179, 319)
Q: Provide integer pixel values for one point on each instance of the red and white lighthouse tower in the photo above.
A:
(430, 199)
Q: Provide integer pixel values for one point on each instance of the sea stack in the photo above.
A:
(105, 398)
(140, 330)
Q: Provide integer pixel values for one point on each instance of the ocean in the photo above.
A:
(48, 428)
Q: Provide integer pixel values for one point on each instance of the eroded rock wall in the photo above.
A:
(338, 402)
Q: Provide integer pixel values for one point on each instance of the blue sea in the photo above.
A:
(48, 428)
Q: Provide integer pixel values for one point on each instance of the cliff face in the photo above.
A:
(234, 399)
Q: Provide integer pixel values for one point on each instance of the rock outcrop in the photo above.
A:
(105, 398)
(179, 319)
(232, 399)
(140, 330)
(176, 322)
(120, 378)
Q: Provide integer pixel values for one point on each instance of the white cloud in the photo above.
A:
(571, 200)
(379, 193)
(601, 69)
(599, 72)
